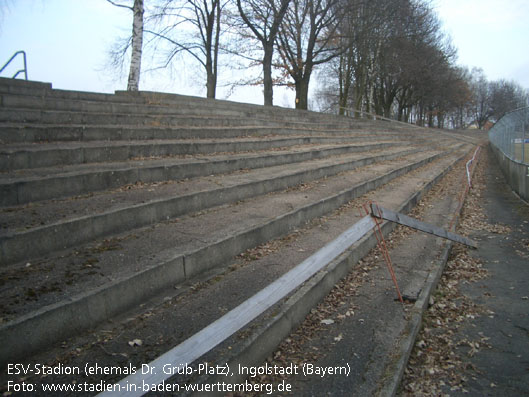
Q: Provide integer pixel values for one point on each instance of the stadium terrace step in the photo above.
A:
(154, 109)
(27, 133)
(56, 231)
(50, 183)
(34, 95)
(23, 87)
(70, 105)
(142, 262)
(25, 156)
(110, 200)
(123, 119)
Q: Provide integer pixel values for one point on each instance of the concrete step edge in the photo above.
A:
(45, 91)
(36, 330)
(38, 104)
(58, 133)
(41, 240)
(45, 117)
(24, 157)
(31, 189)
(269, 332)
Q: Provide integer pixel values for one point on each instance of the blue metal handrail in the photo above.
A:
(25, 70)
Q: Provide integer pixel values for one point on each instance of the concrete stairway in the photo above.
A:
(109, 200)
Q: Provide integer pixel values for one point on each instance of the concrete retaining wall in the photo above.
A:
(516, 174)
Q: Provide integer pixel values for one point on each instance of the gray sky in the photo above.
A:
(490, 34)
(66, 42)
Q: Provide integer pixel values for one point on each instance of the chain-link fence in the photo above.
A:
(511, 135)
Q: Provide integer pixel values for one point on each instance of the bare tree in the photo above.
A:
(263, 18)
(482, 108)
(481, 101)
(136, 42)
(363, 32)
(506, 96)
(462, 99)
(193, 27)
(306, 39)
(397, 60)
(359, 48)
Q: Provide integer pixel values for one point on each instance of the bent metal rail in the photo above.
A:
(209, 337)
(203, 341)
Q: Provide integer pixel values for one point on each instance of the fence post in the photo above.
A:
(524, 126)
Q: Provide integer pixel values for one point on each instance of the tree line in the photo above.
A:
(387, 57)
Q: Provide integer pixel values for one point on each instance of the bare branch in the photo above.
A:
(120, 5)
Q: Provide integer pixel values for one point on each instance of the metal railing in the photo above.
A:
(351, 112)
(510, 134)
(24, 70)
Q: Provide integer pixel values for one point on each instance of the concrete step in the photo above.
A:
(40, 96)
(20, 156)
(34, 230)
(56, 117)
(22, 87)
(118, 273)
(33, 103)
(50, 183)
(63, 105)
(34, 95)
(372, 332)
(36, 106)
(68, 264)
(16, 133)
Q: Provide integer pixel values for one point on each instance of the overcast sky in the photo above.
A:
(66, 42)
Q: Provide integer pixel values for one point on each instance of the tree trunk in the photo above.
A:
(215, 53)
(342, 99)
(210, 50)
(401, 112)
(302, 93)
(387, 109)
(407, 115)
(211, 82)
(137, 43)
(430, 116)
(345, 86)
(344, 95)
(359, 95)
(440, 120)
(268, 89)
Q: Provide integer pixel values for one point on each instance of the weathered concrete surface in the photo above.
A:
(502, 368)
(372, 333)
(29, 155)
(84, 259)
(164, 325)
(64, 233)
(257, 224)
(51, 183)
